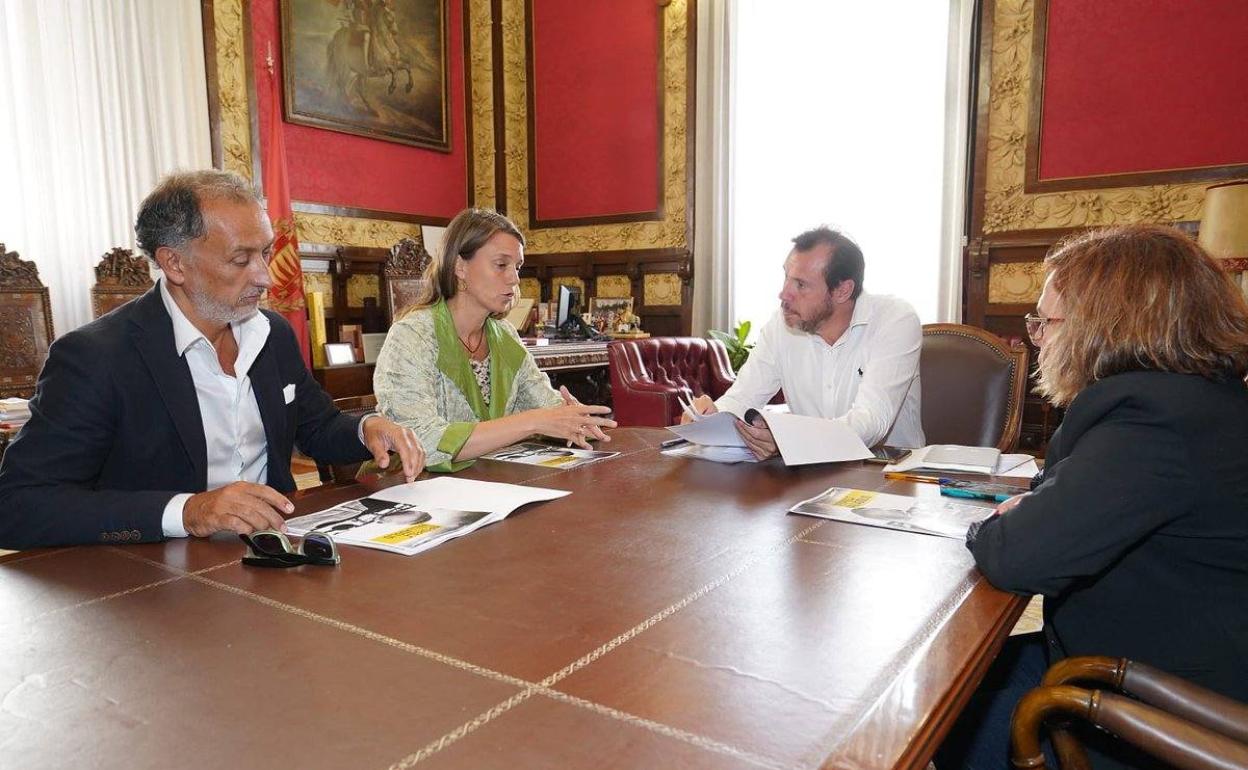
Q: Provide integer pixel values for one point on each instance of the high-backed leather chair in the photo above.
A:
(345, 473)
(119, 277)
(25, 325)
(647, 375)
(1167, 717)
(973, 384)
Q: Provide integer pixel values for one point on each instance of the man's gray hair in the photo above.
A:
(171, 215)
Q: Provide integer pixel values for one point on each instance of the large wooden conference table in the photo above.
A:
(666, 614)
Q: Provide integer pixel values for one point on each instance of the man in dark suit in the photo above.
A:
(176, 414)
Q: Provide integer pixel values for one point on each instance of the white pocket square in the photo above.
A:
(288, 393)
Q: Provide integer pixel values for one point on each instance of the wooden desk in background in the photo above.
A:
(666, 614)
(582, 366)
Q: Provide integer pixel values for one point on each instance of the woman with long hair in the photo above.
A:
(457, 374)
(1137, 532)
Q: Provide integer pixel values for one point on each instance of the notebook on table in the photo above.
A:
(957, 459)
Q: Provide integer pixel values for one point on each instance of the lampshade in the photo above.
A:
(1224, 226)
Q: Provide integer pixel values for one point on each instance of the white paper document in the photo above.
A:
(415, 517)
(801, 440)
(717, 429)
(804, 440)
(717, 454)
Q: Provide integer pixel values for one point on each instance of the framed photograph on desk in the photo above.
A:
(339, 353)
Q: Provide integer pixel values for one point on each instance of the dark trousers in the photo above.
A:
(980, 739)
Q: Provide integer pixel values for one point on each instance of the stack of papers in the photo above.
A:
(14, 412)
(966, 459)
(415, 517)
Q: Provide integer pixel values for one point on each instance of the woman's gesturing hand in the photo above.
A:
(573, 421)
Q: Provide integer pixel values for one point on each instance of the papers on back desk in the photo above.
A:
(411, 518)
(802, 440)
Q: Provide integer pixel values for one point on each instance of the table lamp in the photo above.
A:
(1224, 226)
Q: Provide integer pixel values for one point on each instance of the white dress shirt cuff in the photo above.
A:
(359, 431)
(171, 521)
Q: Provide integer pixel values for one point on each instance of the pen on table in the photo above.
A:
(915, 477)
(671, 442)
(971, 494)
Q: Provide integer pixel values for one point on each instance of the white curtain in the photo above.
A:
(712, 253)
(98, 100)
(852, 115)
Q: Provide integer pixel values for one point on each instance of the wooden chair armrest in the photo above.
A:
(1180, 743)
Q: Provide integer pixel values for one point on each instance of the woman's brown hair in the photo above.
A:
(1140, 297)
(466, 233)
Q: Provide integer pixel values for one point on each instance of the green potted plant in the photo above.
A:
(738, 348)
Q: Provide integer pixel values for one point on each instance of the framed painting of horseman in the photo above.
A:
(376, 68)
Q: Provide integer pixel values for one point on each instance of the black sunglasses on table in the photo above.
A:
(270, 548)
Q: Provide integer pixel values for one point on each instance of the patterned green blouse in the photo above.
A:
(424, 381)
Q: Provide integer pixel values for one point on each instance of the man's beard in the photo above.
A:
(215, 311)
(812, 326)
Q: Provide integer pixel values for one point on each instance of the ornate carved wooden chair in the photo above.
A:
(406, 282)
(1166, 717)
(25, 325)
(119, 277)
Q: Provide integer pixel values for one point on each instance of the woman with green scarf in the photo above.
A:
(457, 374)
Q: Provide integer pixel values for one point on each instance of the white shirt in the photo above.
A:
(869, 378)
(233, 430)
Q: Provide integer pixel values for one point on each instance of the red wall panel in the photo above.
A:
(345, 170)
(596, 134)
(1143, 85)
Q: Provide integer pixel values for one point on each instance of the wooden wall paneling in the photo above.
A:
(674, 319)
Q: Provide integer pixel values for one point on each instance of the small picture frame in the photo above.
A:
(612, 311)
(372, 343)
(339, 353)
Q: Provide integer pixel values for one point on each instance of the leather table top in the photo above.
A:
(668, 613)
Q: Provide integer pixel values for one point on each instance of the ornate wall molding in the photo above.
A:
(1006, 206)
(668, 232)
(480, 75)
(1015, 282)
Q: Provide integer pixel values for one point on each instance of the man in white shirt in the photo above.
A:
(836, 351)
(176, 414)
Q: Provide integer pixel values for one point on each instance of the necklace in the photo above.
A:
(472, 350)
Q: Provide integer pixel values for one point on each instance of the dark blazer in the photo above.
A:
(1138, 534)
(115, 430)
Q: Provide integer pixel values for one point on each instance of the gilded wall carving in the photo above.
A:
(481, 76)
(1015, 282)
(233, 71)
(614, 286)
(531, 288)
(670, 231)
(360, 286)
(1006, 206)
(576, 284)
(322, 282)
(661, 289)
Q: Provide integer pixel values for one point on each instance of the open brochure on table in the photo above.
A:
(415, 517)
(955, 458)
(547, 455)
(800, 439)
(929, 515)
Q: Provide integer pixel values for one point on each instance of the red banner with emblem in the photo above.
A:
(286, 294)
